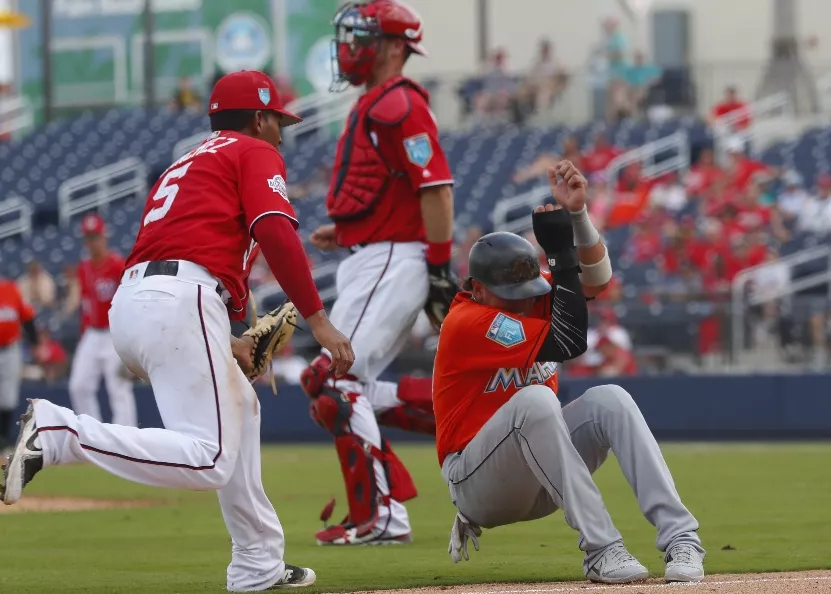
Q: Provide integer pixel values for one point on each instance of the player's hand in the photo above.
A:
(462, 530)
(331, 339)
(243, 351)
(324, 238)
(571, 192)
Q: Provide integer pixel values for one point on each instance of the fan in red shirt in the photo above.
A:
(95, 358)
(730, 104)
(601, 154)
(170, 319)
(741, 168)
(702, 176)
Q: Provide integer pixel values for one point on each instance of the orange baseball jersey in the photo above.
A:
(98, 283)
(485, 355)
(14, 311)
(204, 206)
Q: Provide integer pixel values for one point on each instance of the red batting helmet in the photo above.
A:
(359, 29)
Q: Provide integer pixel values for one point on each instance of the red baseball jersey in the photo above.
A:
(98, 282)
(411, 148)
(14, 311)
(204, 206)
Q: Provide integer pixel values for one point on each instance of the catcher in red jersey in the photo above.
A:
(391, 203)
(95, 356)
(184, 282)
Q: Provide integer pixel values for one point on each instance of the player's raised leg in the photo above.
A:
(119, 386)
(85, 376)
(195, 382)
(607, 418)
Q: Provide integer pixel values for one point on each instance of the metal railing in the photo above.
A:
(16, 115)
(645, 155)
(186, 145)
(322, 110)
(98, 188)
(761, 113)
(22, 225)
(741, 301)
(327, 270)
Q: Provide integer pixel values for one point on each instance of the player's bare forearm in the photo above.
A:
(437, 212)
(593, 256)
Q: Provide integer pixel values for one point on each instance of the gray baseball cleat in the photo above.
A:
(615, 566)
(295, 577)
(25, 460)
(684, 563)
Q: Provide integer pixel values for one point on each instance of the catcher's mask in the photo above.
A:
(359, 30)
(507, 265)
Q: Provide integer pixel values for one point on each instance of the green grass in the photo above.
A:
(769, 502)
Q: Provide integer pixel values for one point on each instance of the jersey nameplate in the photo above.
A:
(506, 331)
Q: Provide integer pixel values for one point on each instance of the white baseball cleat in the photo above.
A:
(615, 566)
(25, 460)
(684, 564)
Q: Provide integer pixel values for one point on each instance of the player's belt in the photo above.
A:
(170, 268)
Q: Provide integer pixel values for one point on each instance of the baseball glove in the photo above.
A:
(443, 288)
(271, 333)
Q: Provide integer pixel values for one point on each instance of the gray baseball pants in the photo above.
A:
(11, 366)
(532, 458)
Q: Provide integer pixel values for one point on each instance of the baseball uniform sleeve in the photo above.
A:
(417, 140)
(262, 186)
(494, 339)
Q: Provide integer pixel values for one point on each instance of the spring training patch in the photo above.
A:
(419, 150)
(506, 331)
(278, 185)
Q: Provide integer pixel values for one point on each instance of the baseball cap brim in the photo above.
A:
(289, 119)
(524, 290)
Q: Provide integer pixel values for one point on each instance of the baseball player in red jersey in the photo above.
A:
(391, 201)
(95, 356)
(508, 452)
(184, 282)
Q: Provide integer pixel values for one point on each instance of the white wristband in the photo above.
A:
(585, 235)
(597, 274)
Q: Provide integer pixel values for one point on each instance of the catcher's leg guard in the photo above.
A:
(416, 414)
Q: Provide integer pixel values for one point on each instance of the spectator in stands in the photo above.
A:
(644, 242)
(185, 97)
(50, 356)
(546, 79)
(794, 198)
(702, 176)
(600, 155)
(493, 101)
(69, 290)
(537, 169)
(668, 193)
(815, 217)
(640, 77)
(460, 257)
(614, 345)
(740, 168)
(37, 286)
(730, 104)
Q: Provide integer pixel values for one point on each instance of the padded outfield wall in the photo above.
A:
(676, 407)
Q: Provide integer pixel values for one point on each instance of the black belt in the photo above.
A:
(352, 249)
(169, 268)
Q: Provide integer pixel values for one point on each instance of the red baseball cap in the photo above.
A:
(93, 224)
(249, 89)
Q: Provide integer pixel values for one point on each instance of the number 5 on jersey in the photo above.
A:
(167, 191)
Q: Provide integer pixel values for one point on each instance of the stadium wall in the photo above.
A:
(676, 407)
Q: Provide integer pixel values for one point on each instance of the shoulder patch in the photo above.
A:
(278, 186)
(419, 149)
(506, 331)
(392, 107)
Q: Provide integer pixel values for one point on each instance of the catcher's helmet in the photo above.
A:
(359, 28)
(508, 265)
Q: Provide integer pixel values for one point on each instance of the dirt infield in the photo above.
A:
(34, 503)
(805, 582)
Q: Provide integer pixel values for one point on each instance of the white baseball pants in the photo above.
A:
(96, 357)
(175, 332)
(381, 290)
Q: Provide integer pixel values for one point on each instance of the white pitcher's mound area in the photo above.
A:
(805, 582)
(34, 503)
